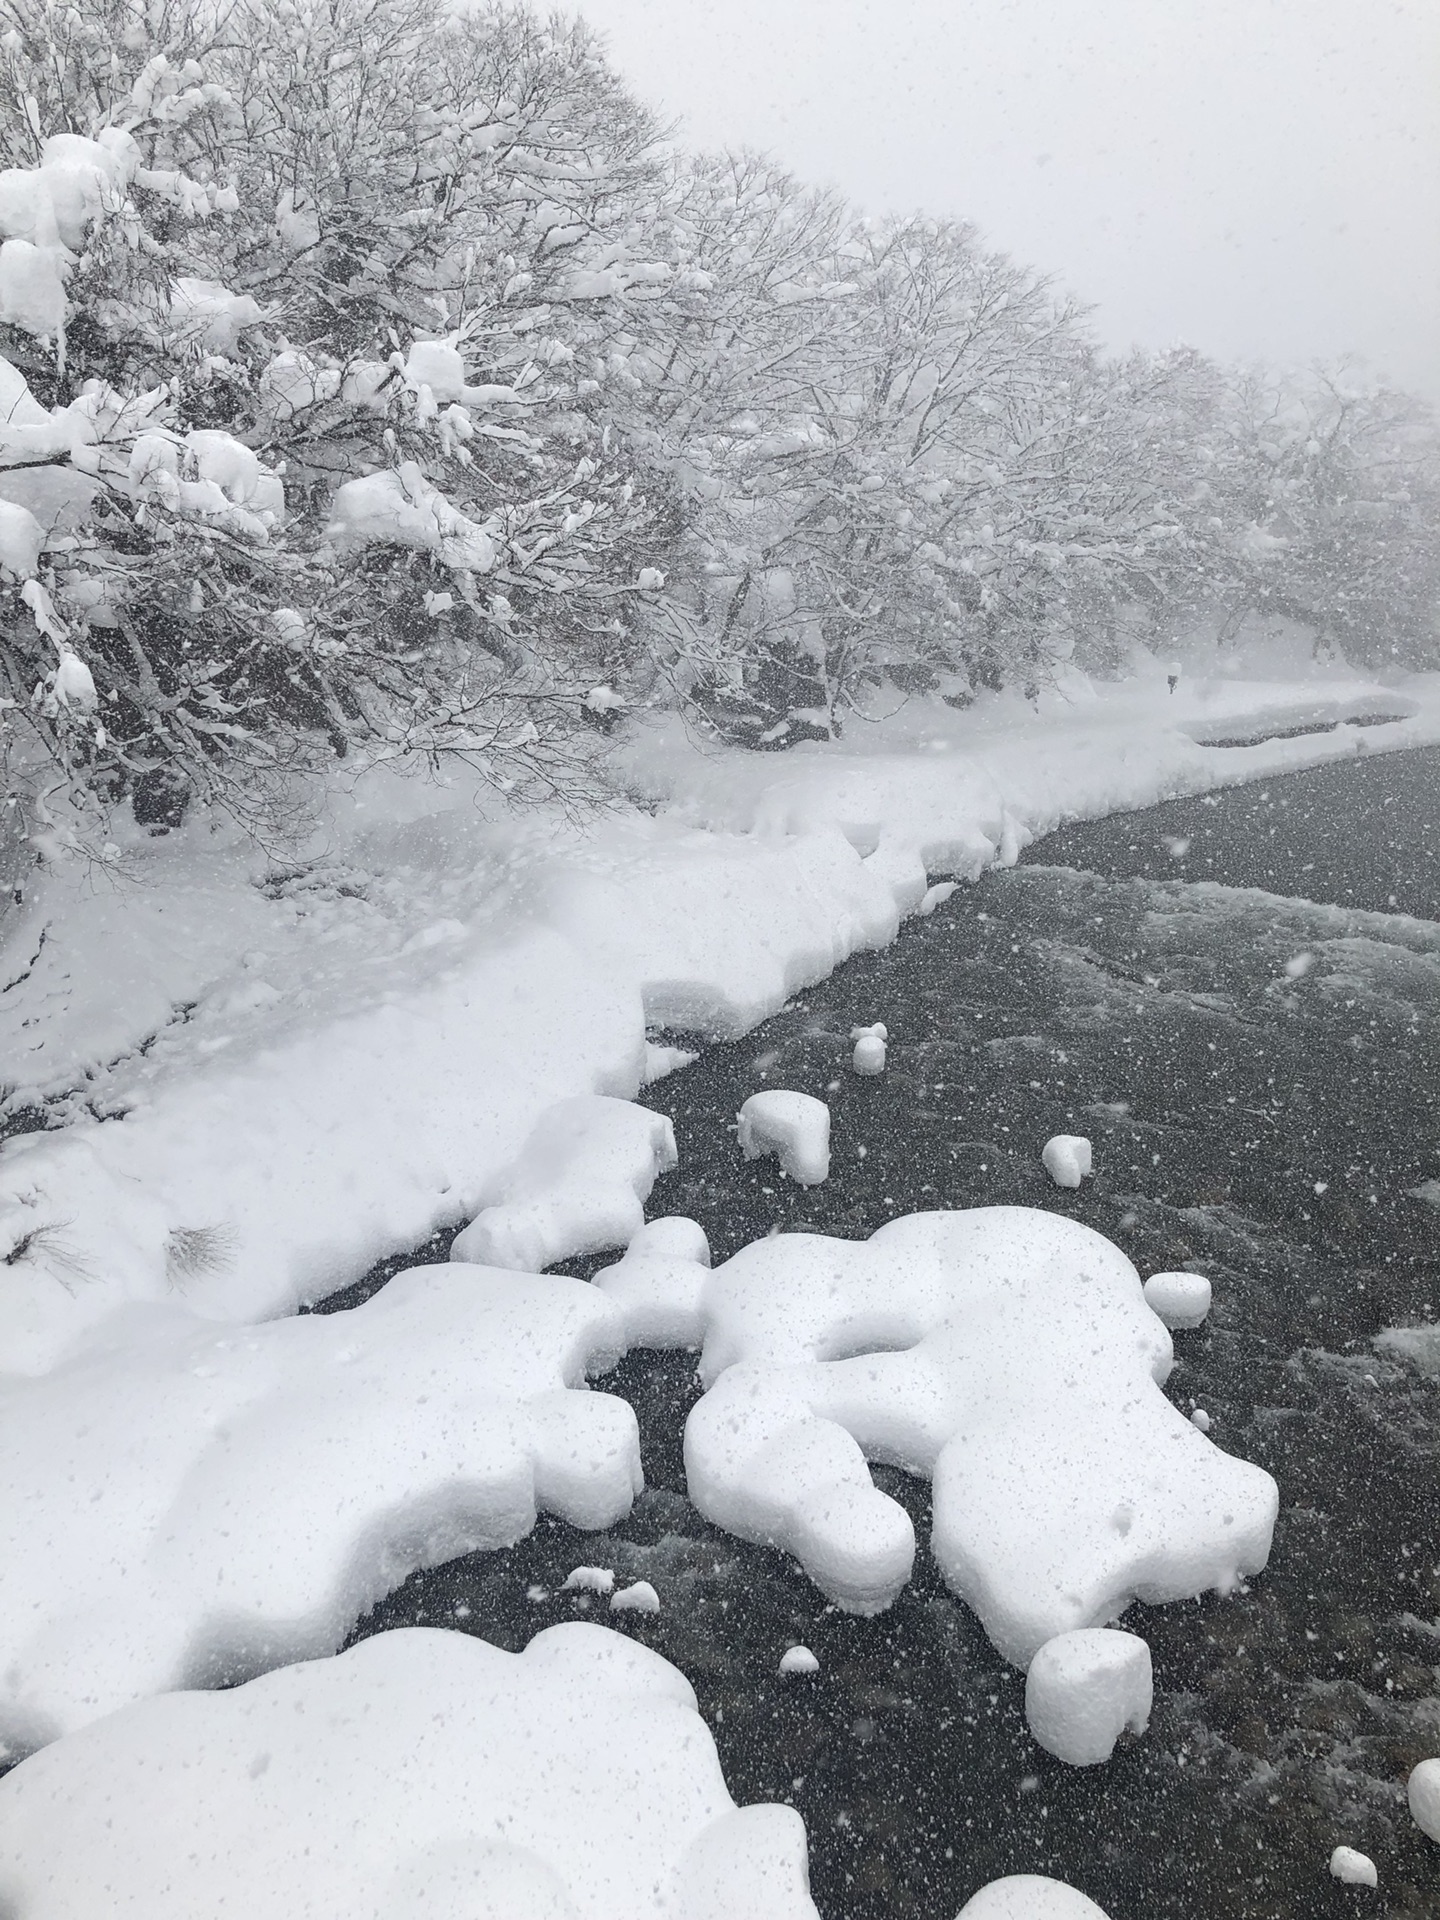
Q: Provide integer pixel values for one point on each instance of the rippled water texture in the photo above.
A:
(1260, 1078)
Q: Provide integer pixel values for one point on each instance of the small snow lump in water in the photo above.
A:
(1354, 1869)
(589, 1580)
(1030, 1896)
(1084, 1689)
(1181, 1300)
(639, 1598)
(1066, 1158)
(795, 1127)
(868, 1058)
(1424, 1794)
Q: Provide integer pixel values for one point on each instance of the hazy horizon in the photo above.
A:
(1261, 180)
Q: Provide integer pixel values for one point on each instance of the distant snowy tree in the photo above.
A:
(886, 438)
(1329, 489)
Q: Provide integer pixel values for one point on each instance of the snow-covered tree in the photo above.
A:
(375, 380)
(1328, 488)
(305, 300)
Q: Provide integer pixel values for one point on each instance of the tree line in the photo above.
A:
(379, 379)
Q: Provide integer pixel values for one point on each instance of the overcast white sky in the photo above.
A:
(1257, 177)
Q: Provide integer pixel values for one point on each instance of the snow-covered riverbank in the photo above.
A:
(356, 1048)
(275, 1077)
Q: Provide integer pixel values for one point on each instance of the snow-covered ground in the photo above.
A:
(262, 1078)
(273, 1076)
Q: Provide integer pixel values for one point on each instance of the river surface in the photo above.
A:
(1259, 1076)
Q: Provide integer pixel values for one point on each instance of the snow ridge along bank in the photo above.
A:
(345, 1071)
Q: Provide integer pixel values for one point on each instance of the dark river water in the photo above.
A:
(1259, 1076)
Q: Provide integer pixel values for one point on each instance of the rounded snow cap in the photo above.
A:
(1424, 1796)
(1030, 1896)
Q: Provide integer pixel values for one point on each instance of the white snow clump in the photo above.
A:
(639, 1598)
(1085, 1689)
(936, 896)
(659, 1284)
(579, 1185)
(1182, 1300)
(401, 508)
(1030, 1896)
(947, 1344)
(868, 1058)
(589, 1580)
(1066, 1158)
(661, 1061)
(230, 483)
(798, 1660)
(187, 1503)
(21, 538)
(795, 1127)
(1424, 1797)
(420, 1773)
(1352, 1868)
(211, 315)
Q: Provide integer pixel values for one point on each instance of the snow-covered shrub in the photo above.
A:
(301, 452)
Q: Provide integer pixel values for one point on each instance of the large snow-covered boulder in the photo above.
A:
(185, 1505)
(578, 1185)
(795, 1127)
(1008, 1354)
(423, 1773)
(1084, 1689)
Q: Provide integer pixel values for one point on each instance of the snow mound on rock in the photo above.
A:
(1182, 1300)
(1423, 1794)
(868, 1059)
(1067, 1159)
(1009, 1355)
(1352, 1868)
(1030, 1896)
(1085, 1689)
(640, 1597)
(190, 1506)
(422, 1772)
(579, 1185)
(795, 1127)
